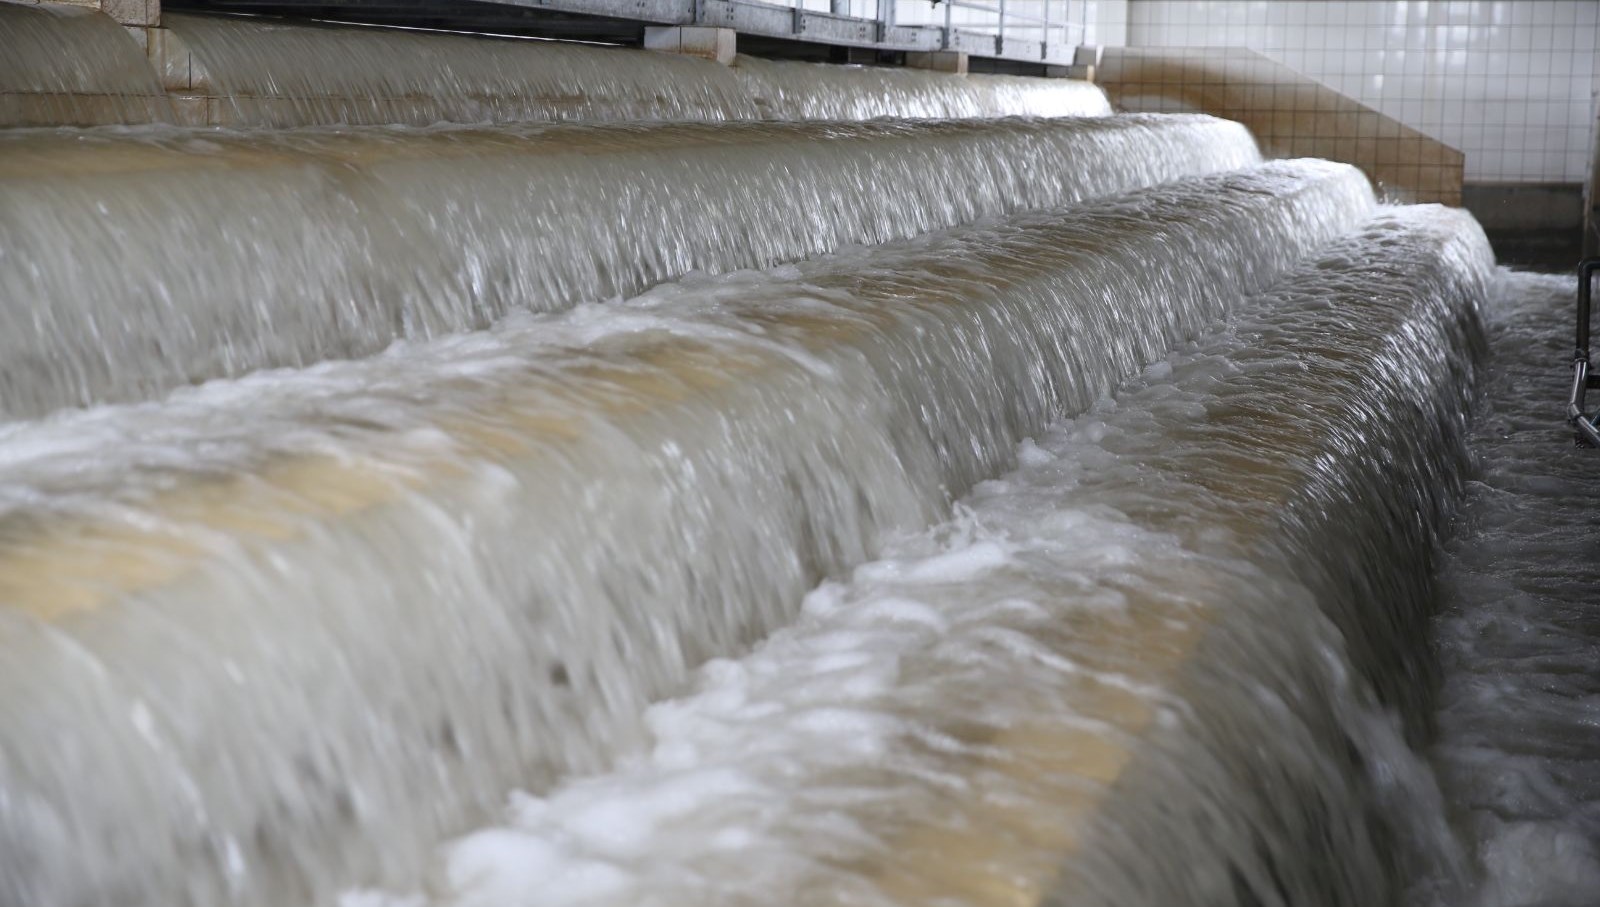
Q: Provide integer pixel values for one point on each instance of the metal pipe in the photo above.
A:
(1586, 269)
(1044, 31)
(1588, 435)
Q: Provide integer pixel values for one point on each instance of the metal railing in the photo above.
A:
(1587, 434)
(1045, 31)
(1018, 28)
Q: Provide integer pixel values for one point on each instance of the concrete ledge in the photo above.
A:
(175, 64)
(1525, 206)
(951, 61)
(719, 45)
(143, 13)
(1533, 225)
(40, 109)
(1085, 60)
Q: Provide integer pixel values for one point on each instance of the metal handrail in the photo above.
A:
(1004, 17)
(1587, 433)
(1016, 34)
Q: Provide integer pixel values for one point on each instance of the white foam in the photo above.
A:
(266, 249)
(787, 773)
(1519, 713)
(550, 525)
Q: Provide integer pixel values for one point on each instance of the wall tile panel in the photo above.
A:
(1290, 114)
(1511, 83)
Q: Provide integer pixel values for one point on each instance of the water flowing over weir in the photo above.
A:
(1520, 633)
(70, 67)
(271, 73)
(332, 244)
(805, 91)
(470, 564)
(1124, 674)
(103, 78)
(284, 74)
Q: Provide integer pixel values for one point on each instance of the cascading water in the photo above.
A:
(280, 635)
(289, 74)
(75, 67)
(218, 253)
(285, 74)
(1519, 635)
(1122, 674)
(784, 90)
(65, 65)
(405, 584)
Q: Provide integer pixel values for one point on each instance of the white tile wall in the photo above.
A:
(1512, 83)
(1106, 22)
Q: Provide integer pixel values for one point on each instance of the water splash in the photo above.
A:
(785, 90)
(1117, 676)
(216, 253)
(407, 583)
(70, 66)
(1519, 635)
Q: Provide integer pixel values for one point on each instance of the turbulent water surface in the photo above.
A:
(70, 65)
(405, 583)
(614, 466)
(785, 90)
(1129, 672)
(224, 252)
(281, 73)
(1519, 638)
(278, 73)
